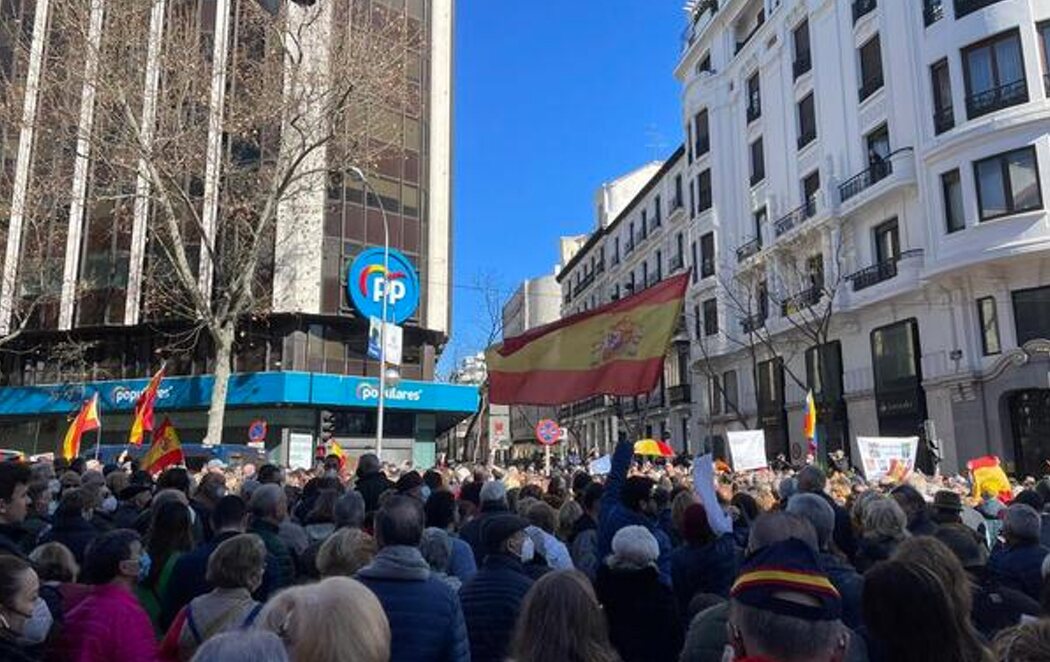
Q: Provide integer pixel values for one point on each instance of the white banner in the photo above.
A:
(300, 450)
(879, 454)
(601, 466)
(747, 449)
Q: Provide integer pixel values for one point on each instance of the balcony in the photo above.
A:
(584, 283)
(807, 137)
(750, 248)
(802, 64)
(753, 323)
(753, 113)
(943, 120)
(677, 203)
(964, 7)
(880, 272)
(628, 246)
(897, 168)
(599, 267)
(878, 171)
(797, 302)
(677, 262)
(932, 11)
(702, 16)
(862, 8)
(639, 237)
(614, 260)
(679, 395)
(795, 217)
(870, 86)
(997, 98)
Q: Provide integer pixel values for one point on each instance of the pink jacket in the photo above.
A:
(109, 625)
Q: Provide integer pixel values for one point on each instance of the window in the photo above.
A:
(692, 198)
(932, 11)
(657, 212)
(951, 188)
(887, 241)
(679, 244)
(964, 7)
(879, 153)
(989, 317)
(645, 224)
(762, 298)
(994, 74)
(703, 137)
(697, 322)
(659, 265)
(715, 395)
(703, 191)
(810, 186)
(695, 264)
(689, 139)
(645, 274)
(824, 371)
(710, 307)
(1044, 39)
(895, 356)
(815, 270)
(754, 98)
(770, 384)
(705, 63)
(679, 199)
(1008, 184)
(943, 114)
(803, 62)
(1032, 314)
(616, 250)
(707, 255)
(761, 216)
(630, 236)
(729, 389)
(807, 121)
(758, 162)
(870, 67)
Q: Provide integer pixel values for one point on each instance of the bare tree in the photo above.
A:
(209, 136)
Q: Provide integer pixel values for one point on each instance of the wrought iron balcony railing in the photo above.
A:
(747, 250)
(796, 217)
(997, 98)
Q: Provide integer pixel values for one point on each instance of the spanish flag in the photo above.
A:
(989, 478)
(809, 422)
(335, 449)
(143, 421)
(166, 450)
(86, 419)
(617, 349)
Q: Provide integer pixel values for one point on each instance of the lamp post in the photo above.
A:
(386, 293)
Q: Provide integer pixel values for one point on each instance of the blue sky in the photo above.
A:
(551, 99)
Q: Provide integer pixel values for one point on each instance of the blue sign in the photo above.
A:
(368, 282)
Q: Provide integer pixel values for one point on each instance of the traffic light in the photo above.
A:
(327, 425)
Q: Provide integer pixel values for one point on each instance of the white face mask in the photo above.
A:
(193, 516)
(52, 507)
(55, 485)
(109, 504)
(38, 625)
(528, 550)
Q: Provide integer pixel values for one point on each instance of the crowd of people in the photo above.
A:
(648, 563)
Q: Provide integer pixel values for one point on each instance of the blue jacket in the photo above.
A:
(461, 564)
(491, 601)
(850, 586)
(707, 569)
(615, 516)
(1019, 567)
(426, 620)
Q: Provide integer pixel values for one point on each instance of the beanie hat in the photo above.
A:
(409, 481)
(789, 566)
(635, 546)
(496, 529)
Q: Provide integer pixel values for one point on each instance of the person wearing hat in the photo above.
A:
(492, 598)
(132, 501)
(783, 608)
(643, 617)
(493, 502)
(1018, 561)
(411, 484)
(371, 481)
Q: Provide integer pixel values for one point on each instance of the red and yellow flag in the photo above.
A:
(335, 449)
(989, 478)
(166, 450)
(143, 421)
(617, 349)
(86, 419)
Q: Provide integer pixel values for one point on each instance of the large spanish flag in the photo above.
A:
(988, 477)
(617, 349)
(86, 419)
(143, 421)
(165, 451)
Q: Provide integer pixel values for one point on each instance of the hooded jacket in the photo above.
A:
(491, 602)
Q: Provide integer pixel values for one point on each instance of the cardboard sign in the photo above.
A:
(881, 455)
(747, 449)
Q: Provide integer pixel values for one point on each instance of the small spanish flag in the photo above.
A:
(335, 449)
(86, 419)
(989, 478)
(809, 422)
(143, 421)
(166, 450)
(617, 349)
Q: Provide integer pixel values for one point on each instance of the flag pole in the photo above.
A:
(98, 441)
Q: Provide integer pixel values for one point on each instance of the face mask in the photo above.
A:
(528, 550)
(52, 507)
(55, 485)
(109, 504)
(145, 562)
(37, 625)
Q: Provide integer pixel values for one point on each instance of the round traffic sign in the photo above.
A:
(548, 432)
(257, 430)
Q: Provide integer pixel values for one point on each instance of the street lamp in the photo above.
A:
(354, 170)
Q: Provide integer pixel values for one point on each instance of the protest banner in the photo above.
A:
(601, 466)
(880, 456)
(747, 449)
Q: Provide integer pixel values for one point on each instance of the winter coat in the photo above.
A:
(371, 486)
(221, 610)
(471, 531)
(1019, 566)
(461, 564)
(426, 620)
(12, 540)
(109, 624)
(850, 585)
(996, 607)
(10, 651)
(642, 614)
(276, 548)
(872, 550)
(491, 602)
(615, 515)
(74, 532)
(126, 515)
(583, 546)
(709, 568)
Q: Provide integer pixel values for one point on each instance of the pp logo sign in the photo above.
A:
(371, 279)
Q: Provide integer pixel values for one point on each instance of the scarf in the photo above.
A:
(399, 562)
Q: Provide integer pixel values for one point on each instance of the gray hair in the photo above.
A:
(1022, 522)
(350, 510)
(493, 491)
(436, 548)
(265, 500)
(884, 518)
(785, 637)
(250, 645)
(818, 512)
(778, 526)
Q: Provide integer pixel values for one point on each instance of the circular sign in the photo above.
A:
(257, 430)
(369, 282)
(548, 432)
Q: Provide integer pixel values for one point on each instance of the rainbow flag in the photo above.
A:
(809, 422)
(86, 419)
(143, 421)
(166, 450)
(617, 349)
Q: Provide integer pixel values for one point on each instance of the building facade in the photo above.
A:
(100, 257)
(867, 186)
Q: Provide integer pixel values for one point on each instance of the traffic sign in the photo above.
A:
(257, 430)
(548, 432)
